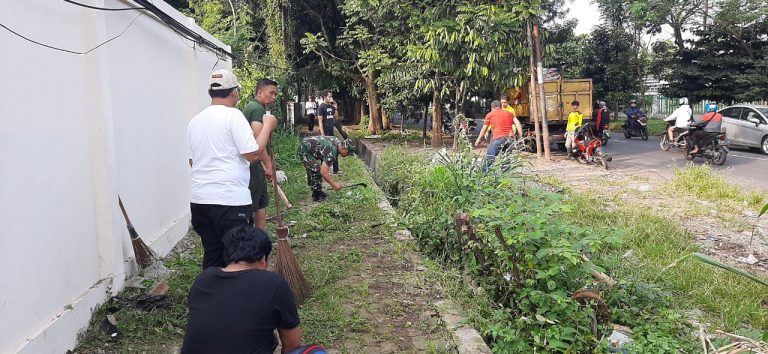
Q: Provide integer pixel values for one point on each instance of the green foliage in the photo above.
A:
(528, 264)
(398, 171)
(728, 60)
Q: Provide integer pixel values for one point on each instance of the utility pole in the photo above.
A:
(532, 101)
(542, 99)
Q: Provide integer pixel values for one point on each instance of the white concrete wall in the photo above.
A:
(76, 130)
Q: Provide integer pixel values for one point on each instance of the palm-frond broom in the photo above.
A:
(287, 264)
(143, 253)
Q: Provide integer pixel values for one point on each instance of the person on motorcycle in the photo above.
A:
(574, 122)
(710, 122)
(601, 116)
(681, 116)
(633, 113)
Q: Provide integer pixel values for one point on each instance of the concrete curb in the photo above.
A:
(467, 339)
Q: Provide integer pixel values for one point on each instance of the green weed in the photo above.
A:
(728, 301)
(701, 182)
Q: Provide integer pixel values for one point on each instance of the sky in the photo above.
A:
(585, 12)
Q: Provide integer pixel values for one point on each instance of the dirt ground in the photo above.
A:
(387, 296)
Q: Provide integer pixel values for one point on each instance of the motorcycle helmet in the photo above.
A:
(602, 104)
(682, 101)
(633, 101)
(710, 107)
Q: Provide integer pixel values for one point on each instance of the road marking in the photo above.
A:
(749, 157)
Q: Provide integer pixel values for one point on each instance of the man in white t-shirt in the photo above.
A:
(222, 146)
(311, 107)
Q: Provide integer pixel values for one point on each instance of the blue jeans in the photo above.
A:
(493, 149)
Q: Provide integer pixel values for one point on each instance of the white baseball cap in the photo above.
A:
(222, 79)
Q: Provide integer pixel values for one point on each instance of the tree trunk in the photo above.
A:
(706, 13)
(373, 104)
(533, 112)
(542, 100)
(362, 111)
(679, 42)
(384, 119)
(437, 126)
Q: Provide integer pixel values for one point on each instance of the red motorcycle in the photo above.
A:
(589, 146)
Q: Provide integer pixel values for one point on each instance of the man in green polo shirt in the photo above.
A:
(254, 111)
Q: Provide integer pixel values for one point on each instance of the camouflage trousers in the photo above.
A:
(314, 178)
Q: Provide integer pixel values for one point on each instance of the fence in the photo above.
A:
(663, 105)
(76, 130)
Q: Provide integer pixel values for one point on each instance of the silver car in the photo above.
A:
(747, 125)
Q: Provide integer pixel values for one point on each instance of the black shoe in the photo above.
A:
(318, 196)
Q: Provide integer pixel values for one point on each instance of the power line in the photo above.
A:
(104, 8)
(72, 51)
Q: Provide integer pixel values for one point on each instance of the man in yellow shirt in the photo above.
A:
(505, 106)
(574, 122)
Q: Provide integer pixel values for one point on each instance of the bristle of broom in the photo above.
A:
(144, 255)
(288, 267)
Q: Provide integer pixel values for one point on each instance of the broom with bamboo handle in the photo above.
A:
(143, 253)
(287, 265)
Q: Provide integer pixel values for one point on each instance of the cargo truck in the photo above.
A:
(558, 96)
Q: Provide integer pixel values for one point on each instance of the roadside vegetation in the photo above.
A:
(394, 136)
(701, 182)
(531, 251)
(517, 274)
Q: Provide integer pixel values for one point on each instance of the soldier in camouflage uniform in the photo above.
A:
(317, 153)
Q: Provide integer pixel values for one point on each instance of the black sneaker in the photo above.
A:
(321, 196)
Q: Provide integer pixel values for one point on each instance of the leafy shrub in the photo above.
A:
(525, 260)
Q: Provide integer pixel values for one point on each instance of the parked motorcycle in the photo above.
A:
(639, 128)
(589, 146)
(714, 147)
(679, 141)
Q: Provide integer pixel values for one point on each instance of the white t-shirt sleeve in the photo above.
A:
(242, 134)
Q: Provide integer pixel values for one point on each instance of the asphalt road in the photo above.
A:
(744, 166)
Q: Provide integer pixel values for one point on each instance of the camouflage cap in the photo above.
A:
(350, 146)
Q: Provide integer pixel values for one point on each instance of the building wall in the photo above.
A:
(76, 131)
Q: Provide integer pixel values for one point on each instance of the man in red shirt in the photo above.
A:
(502, 123)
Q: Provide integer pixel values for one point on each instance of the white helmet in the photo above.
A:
(682, 101)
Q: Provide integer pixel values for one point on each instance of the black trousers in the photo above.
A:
(311, 122)
(698, 137)
(212, 222)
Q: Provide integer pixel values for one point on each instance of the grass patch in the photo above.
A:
(392, 136)
(656, 127)
(728, 301)
(701, 182)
